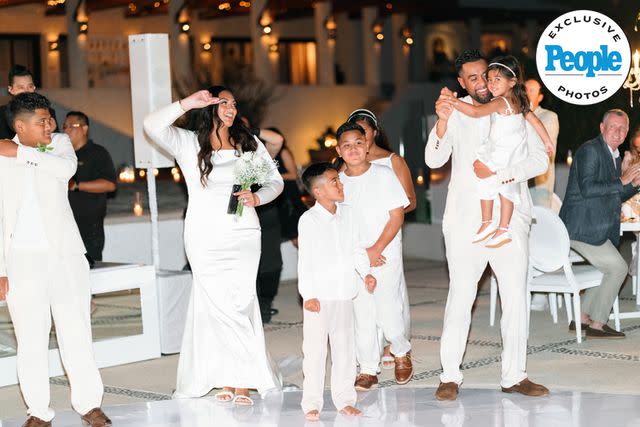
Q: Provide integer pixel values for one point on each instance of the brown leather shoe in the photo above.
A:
(365, 382)
(606, 333)
(447, 391)
(403, 368)
(36, 422)
(527, 388)
(572, 326)
(96, 418)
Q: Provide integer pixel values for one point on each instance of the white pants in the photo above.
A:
(467, 262)
(335, 323)
(43, 284)
(384, 310)
(406, 314)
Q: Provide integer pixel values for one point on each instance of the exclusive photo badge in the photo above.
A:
(583, 57)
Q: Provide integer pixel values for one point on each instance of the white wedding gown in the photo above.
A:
(223, 343)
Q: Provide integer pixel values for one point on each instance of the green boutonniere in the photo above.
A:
(44, 148)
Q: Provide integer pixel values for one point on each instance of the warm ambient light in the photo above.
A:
(54, 46)
(83, 27)
(224, 6)
(378, 29)
(206, 46)
(185, 27)
(273, 48)
(267, 29)
(244, 4)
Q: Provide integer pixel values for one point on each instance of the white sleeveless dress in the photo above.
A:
(505, 146)
(406, 309)
(223, 342)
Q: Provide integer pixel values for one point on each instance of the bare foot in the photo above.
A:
(312, 415)
(350, 410)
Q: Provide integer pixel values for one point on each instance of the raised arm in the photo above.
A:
(497, 105)
(272, 188)
(60, 163)
(158, 125)
(541, 131)
(273, 141)
(439, 146)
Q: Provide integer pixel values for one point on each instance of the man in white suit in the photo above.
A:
(43, 271)
(459, 137)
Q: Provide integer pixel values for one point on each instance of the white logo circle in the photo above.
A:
(583, 57)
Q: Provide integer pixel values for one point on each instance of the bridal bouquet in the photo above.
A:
(249, 169)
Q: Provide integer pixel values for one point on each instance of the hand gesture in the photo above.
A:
(631, 174)
(481, 170)
(199, 99)
(248, 198)
(370, 283)
(8, 148)
(376, 259)
(4, 287)
(550, 149)
(312, 305)
(445, 103)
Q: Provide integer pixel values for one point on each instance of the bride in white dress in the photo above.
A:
(223, 344)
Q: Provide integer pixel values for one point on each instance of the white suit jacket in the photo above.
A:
(53, 169)
(461, 141)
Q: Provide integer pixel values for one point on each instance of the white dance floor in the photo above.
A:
(384, 407)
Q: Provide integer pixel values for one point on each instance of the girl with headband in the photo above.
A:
(506, 144)
(379, 151)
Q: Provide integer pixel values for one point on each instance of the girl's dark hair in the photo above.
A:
(365, 115)
(509, 67)
(206, 120)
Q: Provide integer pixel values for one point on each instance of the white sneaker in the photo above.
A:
(484, 234)
(501, 240)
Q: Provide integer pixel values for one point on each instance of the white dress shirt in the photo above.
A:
(29, 232)
(329, 257)
(614, 155)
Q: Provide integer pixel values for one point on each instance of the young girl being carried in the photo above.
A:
(506, 145)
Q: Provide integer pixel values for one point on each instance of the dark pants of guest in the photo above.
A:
(267, 289)
(92, 233)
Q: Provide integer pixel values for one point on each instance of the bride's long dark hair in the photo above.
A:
(206, 121)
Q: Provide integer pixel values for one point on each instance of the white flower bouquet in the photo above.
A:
(249, 169)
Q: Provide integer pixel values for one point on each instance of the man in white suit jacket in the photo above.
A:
(43, 270)
(459, 137)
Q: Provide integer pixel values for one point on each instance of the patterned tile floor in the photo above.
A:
(555, 359)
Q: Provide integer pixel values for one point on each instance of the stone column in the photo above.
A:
(261, 65)
(370, 48)
(77, 45)
(400, 52)
(179, 45)
(325, 49)
(418, 58)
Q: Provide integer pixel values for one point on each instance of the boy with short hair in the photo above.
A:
(327, 282)
(378, 201)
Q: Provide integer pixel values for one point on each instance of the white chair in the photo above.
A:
(550, 269)
(555, 301)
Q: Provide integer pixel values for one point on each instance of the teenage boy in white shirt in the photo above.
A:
(327, 281)
(378, 201)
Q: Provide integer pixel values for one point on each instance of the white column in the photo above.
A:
(261, 65)
(325, 49)
(418, 61)
(370, 48)
(77, 45)
(348, 42)
(181, 62)
(400, 53)
(475, 32)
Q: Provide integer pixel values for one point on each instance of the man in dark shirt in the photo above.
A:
(88, 188)
(20, 80)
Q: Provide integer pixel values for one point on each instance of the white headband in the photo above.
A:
(502, 65)
(363, 112)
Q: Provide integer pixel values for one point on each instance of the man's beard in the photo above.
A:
(481, 100)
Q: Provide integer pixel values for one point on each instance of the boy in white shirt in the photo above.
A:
(327, 282)
(378, 201)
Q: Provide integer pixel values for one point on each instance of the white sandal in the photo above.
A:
(501, 240)
(484, 234)
(224, 396)
(242, 400)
